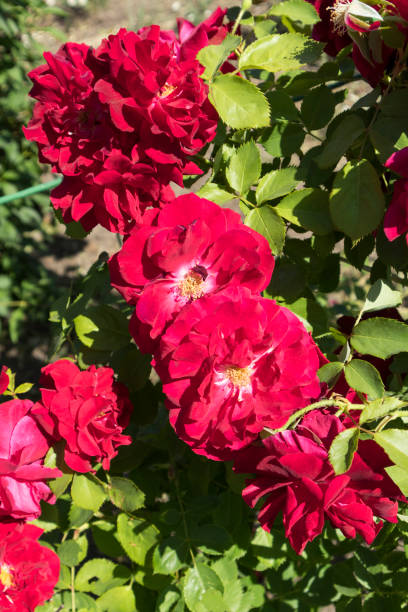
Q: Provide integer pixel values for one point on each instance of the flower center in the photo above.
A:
(166, 90)
(338, 15)
(240, 377)
(6, 577)
(192, 285)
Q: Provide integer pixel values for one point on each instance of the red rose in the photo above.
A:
(86, 409)
(115, 194)
(69, 124)
(4, 379)
(23, 476)
(152, 91)
(28, 571)
(231, 365)
(195, 248)
(293, 474)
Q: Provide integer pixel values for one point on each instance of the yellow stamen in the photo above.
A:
(6, 577)
(338, 15)
(240, 377)
(166, 90)
(192, 286)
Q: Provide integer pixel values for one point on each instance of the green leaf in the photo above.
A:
(365, 378)
(213, 56)
(282, 106)
(380, 337)
(283, 139)
(198, 580)
(318, 107)
(342, 449)
(87, 493)
(137, 536)
(118, 599)
(69, 553)
(276, 184)
(308, 208)
(330, 372)
(78, 516)
(105, 538)
(296, 10)
(23, 388)
(380, 296)
(388, 134)
(211, 539)
(244, 168)
(102, 328)
(357, 201)
(211, 191)
(380, 408)
(99, 575)
(400, 476)
(170, 555)
(124, 494)
(340, 140)
(278, 52)
(265, 221)
(394, 442)
(239, 103)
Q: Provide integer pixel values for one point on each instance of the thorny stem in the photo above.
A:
(238, 20)
(341, 403)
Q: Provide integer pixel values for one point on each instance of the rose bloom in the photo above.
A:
(28, 571)
(115, 193)
(194, 248)
(69, 124)
(4, 379)
(232, 364)
(293, 475)
(396, 217)
(87, 409)
(333, 29)
(23, 476)
(152, 90)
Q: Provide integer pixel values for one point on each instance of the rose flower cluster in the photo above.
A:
(234, 364)
(87, 412)
(119, 122)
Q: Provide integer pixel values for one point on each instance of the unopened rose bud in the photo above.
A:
(354, 15)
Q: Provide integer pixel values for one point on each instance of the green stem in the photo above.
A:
(182, 511)
(321, 404)
(73, 604)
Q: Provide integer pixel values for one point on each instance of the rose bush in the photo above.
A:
(276, 342)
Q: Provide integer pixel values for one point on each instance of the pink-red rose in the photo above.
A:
(293, 476)
(232, 364)
(23, 476)
(4, 379)
(28, 571)
(194, 248)
(86, 409)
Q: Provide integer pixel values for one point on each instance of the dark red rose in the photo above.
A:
(294, 476)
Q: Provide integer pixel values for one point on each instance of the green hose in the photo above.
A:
(31, 191)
